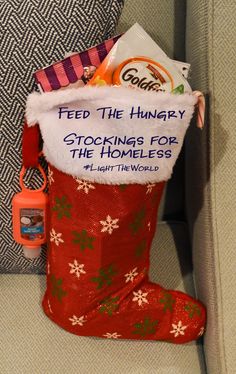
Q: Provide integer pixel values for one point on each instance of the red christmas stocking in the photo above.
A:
(100, 233)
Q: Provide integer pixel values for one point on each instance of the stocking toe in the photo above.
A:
(188, 318)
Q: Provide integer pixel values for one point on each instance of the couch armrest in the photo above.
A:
(211, 177)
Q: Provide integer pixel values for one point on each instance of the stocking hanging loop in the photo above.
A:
(22, 173)
(30, 145)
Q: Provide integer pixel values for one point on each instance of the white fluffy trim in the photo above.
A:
(139, 144)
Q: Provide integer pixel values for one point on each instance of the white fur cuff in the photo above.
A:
(112, 135)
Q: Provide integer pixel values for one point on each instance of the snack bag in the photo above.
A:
(136, 61)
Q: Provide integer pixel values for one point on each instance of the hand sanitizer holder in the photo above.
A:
(29, 212)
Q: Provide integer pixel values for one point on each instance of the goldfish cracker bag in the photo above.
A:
(136, 61)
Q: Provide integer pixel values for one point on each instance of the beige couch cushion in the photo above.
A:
(211, 175)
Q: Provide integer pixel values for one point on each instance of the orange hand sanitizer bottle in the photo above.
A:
(29, 211)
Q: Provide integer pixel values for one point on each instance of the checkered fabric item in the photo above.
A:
(34, 34)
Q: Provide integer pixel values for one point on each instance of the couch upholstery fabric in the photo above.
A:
(211, 176)
(35, 33)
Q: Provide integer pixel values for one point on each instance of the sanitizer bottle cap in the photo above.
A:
(31, 252)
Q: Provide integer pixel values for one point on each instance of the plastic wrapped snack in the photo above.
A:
(136, 61)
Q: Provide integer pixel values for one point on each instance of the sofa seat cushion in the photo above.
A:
(31, 343)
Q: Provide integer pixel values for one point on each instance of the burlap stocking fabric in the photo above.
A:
(100, 234)
(98, 262)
